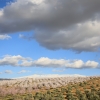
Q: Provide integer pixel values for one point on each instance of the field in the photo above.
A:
(58, 88)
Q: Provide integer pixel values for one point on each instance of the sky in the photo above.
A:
(49, 37)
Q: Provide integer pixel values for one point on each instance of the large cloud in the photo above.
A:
(66, 24)
(46, 62)
(83, 37)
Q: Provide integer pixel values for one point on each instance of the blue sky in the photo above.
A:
(39, 44)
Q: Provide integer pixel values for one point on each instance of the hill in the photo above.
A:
(51, 88)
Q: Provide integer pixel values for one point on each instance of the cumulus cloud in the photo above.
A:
(46, 62)
(3, 37)
(8, 72)
(57, 24)
(12, 60)
(23, 71)
(84, 37)
(0, 72)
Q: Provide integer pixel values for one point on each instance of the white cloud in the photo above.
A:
(12, 60)
(24, 71)
(3, 37)
(0, 72)
(8, 72)
(34, 1)
(46, 62)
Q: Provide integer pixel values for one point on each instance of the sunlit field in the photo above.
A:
(57, 88)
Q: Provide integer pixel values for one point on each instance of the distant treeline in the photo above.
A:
(4, 79)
